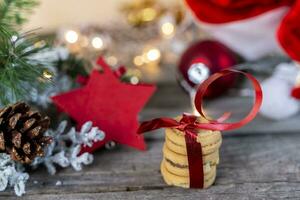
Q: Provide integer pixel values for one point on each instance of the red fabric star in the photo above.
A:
(111, 105)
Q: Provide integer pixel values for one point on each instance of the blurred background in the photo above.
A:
(53, 14)
(48, 49)
(122, 31)
(171, 43)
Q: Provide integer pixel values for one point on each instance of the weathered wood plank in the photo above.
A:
(255, 163)
(263, 165)
(244, 191)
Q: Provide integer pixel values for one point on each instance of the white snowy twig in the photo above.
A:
(65, 149)
(11, 175)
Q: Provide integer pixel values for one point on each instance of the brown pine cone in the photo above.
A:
(22, 132)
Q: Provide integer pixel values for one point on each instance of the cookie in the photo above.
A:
(210, 141)
(174, 166)
(181, 181)
(184, 170)
(182, 160)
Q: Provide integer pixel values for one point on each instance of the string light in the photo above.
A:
(168, 29)
(153, 55)
(71, 36)
(97, 42)
(84, 41)
(134, 80)
(112, 60)
(14, 38)
(134, 72)
(138, 61)
(148, 14)
(47, 74)
(40, 44)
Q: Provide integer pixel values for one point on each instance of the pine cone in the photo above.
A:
(22, 132)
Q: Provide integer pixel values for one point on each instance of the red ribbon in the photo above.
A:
(188, 124)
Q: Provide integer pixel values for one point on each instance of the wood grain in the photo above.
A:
(255, 164)
(263, 167)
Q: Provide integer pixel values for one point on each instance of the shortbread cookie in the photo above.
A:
(210, 141)
(178, 164)
(174, 166)
(184, 170)
(180, 159)
(181, 181)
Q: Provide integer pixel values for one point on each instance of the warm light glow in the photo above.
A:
(71, 36)
(148, 14)
(112, 60)
(14, 38)
(138, 61)
(84, 41)
(195, 112)
(167, 29)
(134, 80)
(134, 72)
(40, 44)
(153, 54)
(97, 43)
(47, 74)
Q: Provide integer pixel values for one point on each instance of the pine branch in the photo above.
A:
(19, 71)
(20, 68)
(14, 12)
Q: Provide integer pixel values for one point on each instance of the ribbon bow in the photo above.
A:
(189, 124)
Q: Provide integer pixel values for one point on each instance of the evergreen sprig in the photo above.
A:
(14, 12)
(19, 68)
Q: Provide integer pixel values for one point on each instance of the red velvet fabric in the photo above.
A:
(289, 32)
(223, 11)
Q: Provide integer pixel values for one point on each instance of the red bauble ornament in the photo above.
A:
(204, 58)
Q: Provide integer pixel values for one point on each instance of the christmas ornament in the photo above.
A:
(12, 175)
(232, 20)
(278, 103)
(111, 105)
(21, 132)
(201, 60)
(198, 176)
(65, 149)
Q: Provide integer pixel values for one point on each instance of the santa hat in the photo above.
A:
(252, 28)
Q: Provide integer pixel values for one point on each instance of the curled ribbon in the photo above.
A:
(189, 124)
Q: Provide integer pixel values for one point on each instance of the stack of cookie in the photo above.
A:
(174, 167)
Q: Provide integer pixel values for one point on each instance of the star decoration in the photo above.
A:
(111, 105)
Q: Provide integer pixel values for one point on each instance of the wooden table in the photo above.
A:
(259, 161)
